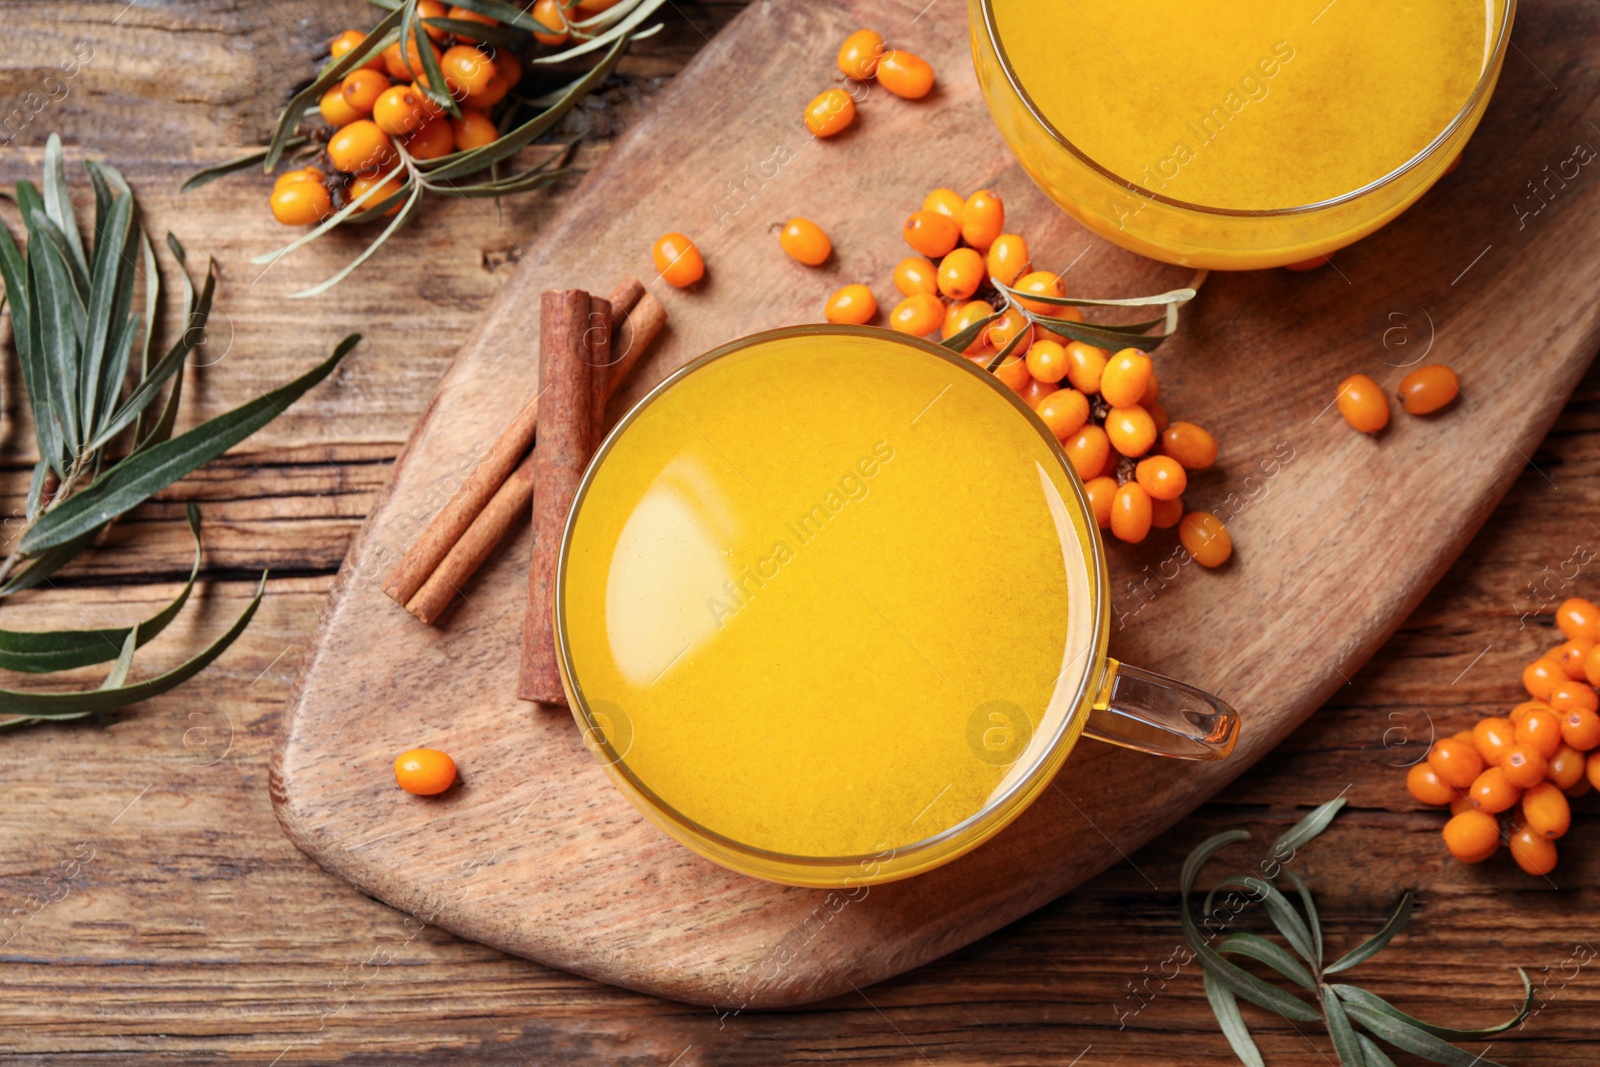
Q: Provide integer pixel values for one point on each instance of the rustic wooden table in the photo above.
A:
(193, 931)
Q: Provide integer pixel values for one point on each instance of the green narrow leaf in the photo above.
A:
(1307, 828)
(433, 84)
(1281, 912)
(1343, 1034)
(58, 205)
(137, 478)
(74, 705)
(106, 282)
(58, 335)
(1369, 948)
(1274, 956)
(1175, 296)
(1416, 1041)
(1313, 922)
(14, 274)
(499, 36)
(1226, 1008)
(118, 675)
(36, 483)
(152, 300)
(1357, 997)
(378, 38)
(207, 175)
(1101, 336)
(960, 341)
(61, 650)
(1376, 1057)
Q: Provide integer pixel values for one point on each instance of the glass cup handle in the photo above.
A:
(1142, 710)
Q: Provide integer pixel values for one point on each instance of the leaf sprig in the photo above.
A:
(104, 422)
(1338, 1007)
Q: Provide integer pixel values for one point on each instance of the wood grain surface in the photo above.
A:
(196, 933)
(565, 871)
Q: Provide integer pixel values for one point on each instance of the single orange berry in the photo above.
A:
(805, 241)
(1189, 445)
(1101, 492)
(1471, 834)
(1578, 617)
(1533, 852)
(1492, 737)
(466, 70)
(1047, 361)
(360, 147)
(830, 112)
(1490, 792)
(301, 203)
(1130, 514)
(983, 217)
(1126, 378)
(851, 304)
(1427, 787)
(1013, 372)
(1520, 712)
(1086, 366)
(1580, 728)
(1065, 412)
(432, 140)
(1007, 259)
(424, 771)
(1525, 766)
(1546, 811)
(917, 315)
(1427, 389)
(677, 260)
(466, 14)
(401, 109)
(1456, 762)
(914, 274)
(859, 55)
(1162, 477)
(960, 273)
(390, 185)
(432, 9)
(1363, 404)
(473, 129)
(549, 14)
(1131, 429)
(1565, 768)
(361, 89)
(1042, 283)
(304, 174)
(1087, 451)
(1165, 514)
(1591, 666)
(945, 202)
(1462, 802)
(1205, 539)
(1035, 391)
(929, 232)
(352, 39)
(1567, 694)
(1541, 676)
(336, 110)
(1572, 655)
(904, 74)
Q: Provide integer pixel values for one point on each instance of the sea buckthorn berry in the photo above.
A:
(401, 109)
(1065, 411)
(1591, 666)
(1126, 376)
(1533, 852)
(432, 9)
(391, 185)
(1088, 450)
(1572, 655)
(352, 39)
(1007, 258)
(1578, 617)
(304, 174)
(917, 315)
(549, 14)
(1580, 728)
(945, 202)
(408, 66)
(1012, 373)
(960, 317)
(1162, 477)
(473, 129)
(1363, 404)
(1158, 412)
(1427, 787)
(489, 95)
(1492, 737)
(1035, 391)
(1525, 766)
(677, 260)
(1189, 445)
(1113, 464)
(466, 14)
(1541, 730)
(805, 241)
(1047, 361)
(983, 217)
(1041, 283)
(360, 147)
(1086, 366)
(1457, 762)
(1427, 389)
(1545, 810)
(852, 304)
(1165, 514)
(1465, 737)
(1462, 802)
(960, 273)
(1470, 835)
(1131, 429)
(1491, 792)
(1567, 694)
(424, 771)
(432, 140)
(904, 74)
(1565, 768)
(466, 70)
(914, 274)
(361, 89)
(336, 110)
(859, 55)
(1130, 514)
(1541, 676)
(1207, 540)
(1101, 492)
(1520, 712)
(830, 112)
(929, 232)
(301, 203)
(509, 67)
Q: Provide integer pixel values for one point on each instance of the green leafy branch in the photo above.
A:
(104, 420)
(1338, 1007)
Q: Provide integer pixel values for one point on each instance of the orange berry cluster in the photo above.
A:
(1527, 763)
(380, 109)
(1422, 392)
(862, 58)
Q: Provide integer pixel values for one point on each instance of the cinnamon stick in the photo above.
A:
(570, 321)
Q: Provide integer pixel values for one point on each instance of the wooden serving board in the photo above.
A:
(1337, 535)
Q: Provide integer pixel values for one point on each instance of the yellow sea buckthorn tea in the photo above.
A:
(826, 595)
(1270, 106)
